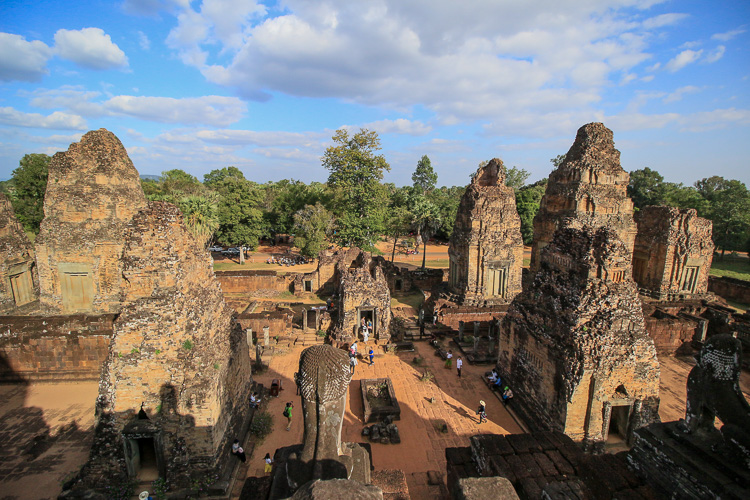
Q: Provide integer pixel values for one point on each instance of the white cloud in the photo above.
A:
(90, 48)
(143, 41)
(57, 120)
(398, 126)
(683, 59)
(663, 20)
(728, 35)
(208, 110)
(680, 92)
(22, 60)
(716, 119)
(717, 54)
(460, 61)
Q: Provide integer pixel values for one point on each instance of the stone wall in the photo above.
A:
(177, 350)
(55, 348)
(591, 186)
(19, 280)
(671, 332)
(278, 323)
(92, 193)
(486, 247)
(363, 291)
(673, 253)
(730, 288)
(574, 347)
(325, 279)
(252, 281)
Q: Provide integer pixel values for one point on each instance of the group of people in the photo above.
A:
(497, 385)
(449, 362)
(366, 327)
(353, 356)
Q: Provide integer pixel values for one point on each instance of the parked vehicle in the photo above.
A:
(231, 251)
(215, 249)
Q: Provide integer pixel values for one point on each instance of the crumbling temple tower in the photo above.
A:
(177, 354)
(574, 347)
(363, 293)
(591, 186)
(92, 193)
(19, 283)
(673, 253)
(486, 248)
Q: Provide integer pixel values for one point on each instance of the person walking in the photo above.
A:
(352, 364)
(482, 412)
(372, 356)
(449, 360)
(288, 414)
(269, 464)
(237, 451)
(459, 364)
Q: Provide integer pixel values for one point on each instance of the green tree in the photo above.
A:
(216, 177)
(312, 225)
(424, 177)
(240, 217)
(426, 220)
(446, 199)
(201, 217)
(355, 175)
(528, 200)
(516, 177)
(29, 187)
(647, 187)
(729, 210)
(179, 183)
(557, 160)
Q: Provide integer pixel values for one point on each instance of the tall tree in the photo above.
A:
(647, 187)
(201, 218)
(426, 220)
(355, 174)
(424, 177)
(241, 220)
(312, 225)
(516, 177)
(29, 187)
(729, 210)
(528, 200)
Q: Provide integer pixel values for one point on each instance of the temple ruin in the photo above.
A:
(574, 347)
(363, 294)
(92, 193)
(673, 253)
(19, 282)
(486, 247)
(589, 185)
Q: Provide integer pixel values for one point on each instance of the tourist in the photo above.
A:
(254, 400)
(268, 467)
(369, 326)
(459, 364)
(363, 325)
(366, 334)
(507, 395)
(353, 350)
(493, 376)
(288, 414)
(352, 364)
(297, 382)
(497, 385)
(449, 360)
(237, 450)
(482, 412)
(372, 356)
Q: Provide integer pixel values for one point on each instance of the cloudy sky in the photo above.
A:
(201, 85)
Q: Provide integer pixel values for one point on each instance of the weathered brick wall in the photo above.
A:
(325, 279)
(450, 316)
(590, 185)
(486, 247)
(278, 323)
(54, 347)
(730, 288)
(177, 347)
(575, 342)
(92, 192)
(254, 281)
(673, 252)
(17, 266)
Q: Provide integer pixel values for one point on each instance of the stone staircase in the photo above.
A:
(308, 338)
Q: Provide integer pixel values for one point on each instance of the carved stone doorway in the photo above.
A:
(369, 314)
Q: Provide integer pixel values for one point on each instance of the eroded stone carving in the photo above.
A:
(19, 281)
(590, 186)
(673, 253)
(486, 248)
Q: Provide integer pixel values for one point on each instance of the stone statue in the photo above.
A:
(324, 380)
(713, 390)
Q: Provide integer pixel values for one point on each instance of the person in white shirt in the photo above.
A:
(459, 364)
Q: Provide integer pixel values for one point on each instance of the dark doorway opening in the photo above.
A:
(369, 317)
(149, 471)
(618, 424)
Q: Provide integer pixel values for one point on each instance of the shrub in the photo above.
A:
(418, 360)
(262, 425)
(427, 376)
(187, 345)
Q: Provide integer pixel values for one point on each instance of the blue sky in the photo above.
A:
(263, 85)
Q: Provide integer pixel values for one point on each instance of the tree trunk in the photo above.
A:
(242, 255)
(393, 253)
(424, 252)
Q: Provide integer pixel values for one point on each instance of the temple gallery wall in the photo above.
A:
(115, 288)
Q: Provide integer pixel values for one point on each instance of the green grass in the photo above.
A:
(414, 300)
(737, 267)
